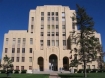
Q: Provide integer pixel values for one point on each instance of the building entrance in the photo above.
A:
(53, 62)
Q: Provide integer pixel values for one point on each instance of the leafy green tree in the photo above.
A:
(87, 45)
(7, 65)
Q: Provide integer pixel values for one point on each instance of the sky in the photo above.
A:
(14, 14)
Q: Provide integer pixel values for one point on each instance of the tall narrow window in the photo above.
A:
(31, 40)
(64, 34)
(57, 27)
(7, 39)
(48, 13)
(56, 13)
(12, 58)
(24, 40)
(30, 50)
(52, 18)
(48, 26)
(23, 59)
(48, 18)
(64, 42)
(63, 18)
(6, 50)
(32, 26)
(17, 59)
(22, 67)
(18, 50)
(32, 18)
(42, 13)
(14, 41)
(57, 33)
(23, 50)
(52, 13)
(52, 33)
(17, 67)
(41, 34)
(42, 26)
(30, 59)
(56, 18)
(48, 33)
(42, 18)
(63, 14)
(53, 43)
(48, 42)
(30, 67)
(52, 26)
(57, 42)
(13, 50)
(63, 27)
(41, 42)
(19, 40)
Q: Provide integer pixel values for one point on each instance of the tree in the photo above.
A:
(87, 45)
(7, 64)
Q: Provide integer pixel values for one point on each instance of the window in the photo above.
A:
(63, 27)
(17, 59)
(53, 43)
(42, 18)
(18, 50)
(56, 13)
(30, 67)
(41, 34)
(23, 50)
(48, 13)
(56, 18)
(30, 59)
(57, 27)
(52, 18)
(14, 41)
(42, 26)
(42, 13)
(30, 50)
(88, 66)
(23, 59)
(19, 40)
(93, 66)
(63, 14)
(13, 50)
(64, 42)
(57, 33)
(48, 42)
(24, 40)
(6, 50)
(22, 67)
(48, 26)
(48, 18)
(63, 18)
(52, 33)
(31, 40)
(48, 33)
(64, 34)
(17, 67)
(32, 26)
(32, 18)
(41, 42)
(57, 42)
(12, 58)
(7, 39)
(52, 26)
(52, 13)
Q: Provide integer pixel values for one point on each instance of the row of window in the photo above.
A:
(53, 42)
(18, 50)
(53, 34)
(53, 27)
(19, 40)
(52, 18)
(22, 59)
(52, 13)
(22, 68)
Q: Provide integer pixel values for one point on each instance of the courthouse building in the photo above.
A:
(46, 44)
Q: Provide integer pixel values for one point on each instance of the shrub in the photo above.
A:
(75, 70)
(11, 71)
(94, 70)
(80, 70)
(88, 70)
(3, 71)
(23, 71)
(16, 71)
(101, 70)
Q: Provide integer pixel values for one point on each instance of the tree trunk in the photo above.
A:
(85, 75)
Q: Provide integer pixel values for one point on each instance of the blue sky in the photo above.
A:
(14, 14)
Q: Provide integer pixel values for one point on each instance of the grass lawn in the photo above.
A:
(80, 75)
(25, 76)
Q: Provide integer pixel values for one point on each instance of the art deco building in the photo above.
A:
(46, 44)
